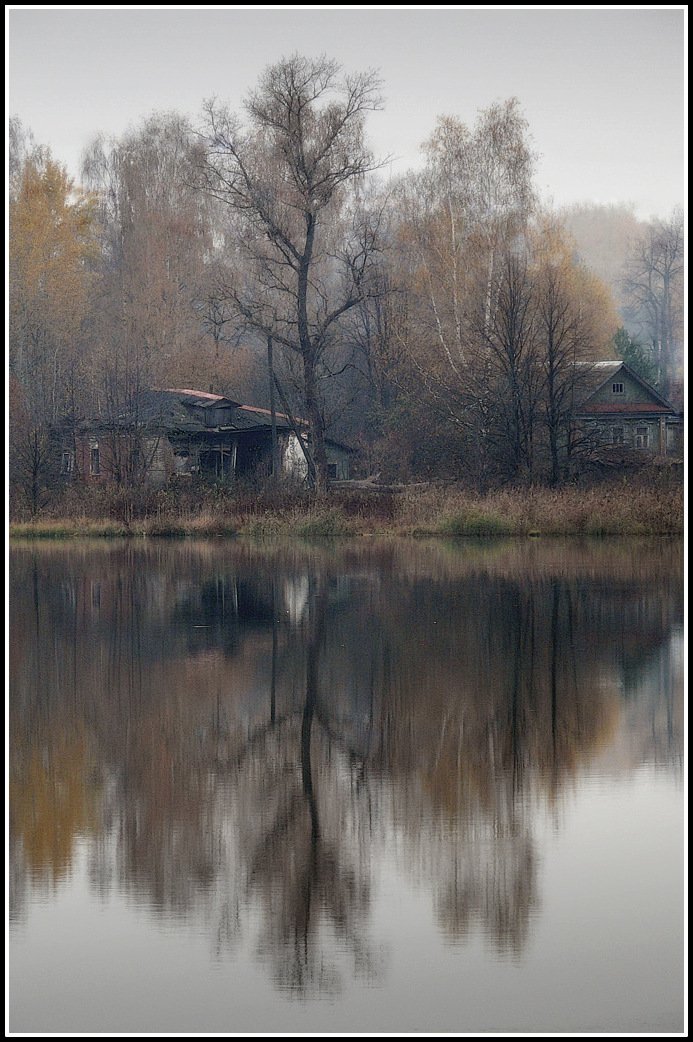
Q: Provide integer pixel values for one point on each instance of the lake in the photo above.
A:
(355, 787)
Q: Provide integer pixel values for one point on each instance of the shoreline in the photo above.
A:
(605, 510)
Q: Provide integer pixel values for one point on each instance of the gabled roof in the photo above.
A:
(185, 411)
(202, 398)
(594, 375)
(168, 409)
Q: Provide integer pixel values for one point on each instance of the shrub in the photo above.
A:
(325, 523)
(475, 524)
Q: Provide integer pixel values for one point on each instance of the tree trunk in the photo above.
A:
(317, 427)
(273, 413)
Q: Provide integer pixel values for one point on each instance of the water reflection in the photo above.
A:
(239, 735)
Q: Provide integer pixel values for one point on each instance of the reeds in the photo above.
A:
(614, 508)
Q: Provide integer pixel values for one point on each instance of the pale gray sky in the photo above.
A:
(603, 89)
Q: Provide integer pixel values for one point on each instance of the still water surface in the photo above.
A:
(362, 788)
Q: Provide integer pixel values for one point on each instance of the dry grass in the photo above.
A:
(68, 528)
(601, 510)
(615, 508)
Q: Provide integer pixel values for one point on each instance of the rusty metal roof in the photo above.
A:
(624, 409)
(186, 411)
(203, 399)
(205, 395)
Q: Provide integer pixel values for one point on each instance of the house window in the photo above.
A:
(617, 436)
(332, 471)
(68, 463)
(94, 461)
(617, 388)
(641, 435)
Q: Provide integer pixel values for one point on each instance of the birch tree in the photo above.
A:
(473, 200)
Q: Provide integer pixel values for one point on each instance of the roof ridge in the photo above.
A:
(268, 412)
(188, 390)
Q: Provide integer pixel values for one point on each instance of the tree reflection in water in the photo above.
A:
(297, 860)
(255, 731)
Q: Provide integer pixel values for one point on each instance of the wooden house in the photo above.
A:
(617, 408)
(182, 433)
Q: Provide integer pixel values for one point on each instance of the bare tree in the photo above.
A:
(305, 240)
(32, 467)
(511, 372)
(654, 286)
(575, 319)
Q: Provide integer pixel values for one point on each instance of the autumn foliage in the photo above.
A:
(434, 323)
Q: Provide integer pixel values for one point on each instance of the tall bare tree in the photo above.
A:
(290, 176)
(575, 321)
(511, 370)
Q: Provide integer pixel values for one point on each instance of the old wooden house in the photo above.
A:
(182, 433)
(617, 408)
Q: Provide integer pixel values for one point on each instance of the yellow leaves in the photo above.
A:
(51, 244)
(51, 801)
(583, 294)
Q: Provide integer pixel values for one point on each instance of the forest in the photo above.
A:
(434, 322)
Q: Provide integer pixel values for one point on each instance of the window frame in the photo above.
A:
(94, 460)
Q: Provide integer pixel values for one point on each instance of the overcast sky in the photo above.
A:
(603, 90)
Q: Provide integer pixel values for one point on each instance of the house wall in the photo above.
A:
(631, 434)
(95, 458)
(338, 461)
(661, 435)
(629, 416)
(294, 462)
(675, 438)
(157, 458)
(103, 457)
(633, 392)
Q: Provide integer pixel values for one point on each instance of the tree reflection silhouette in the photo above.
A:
(248, 734)
(298, 864)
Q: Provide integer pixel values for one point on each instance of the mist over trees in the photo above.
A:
(433, 322)
(642, 264)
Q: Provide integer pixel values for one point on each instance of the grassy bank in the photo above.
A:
(614, 508)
